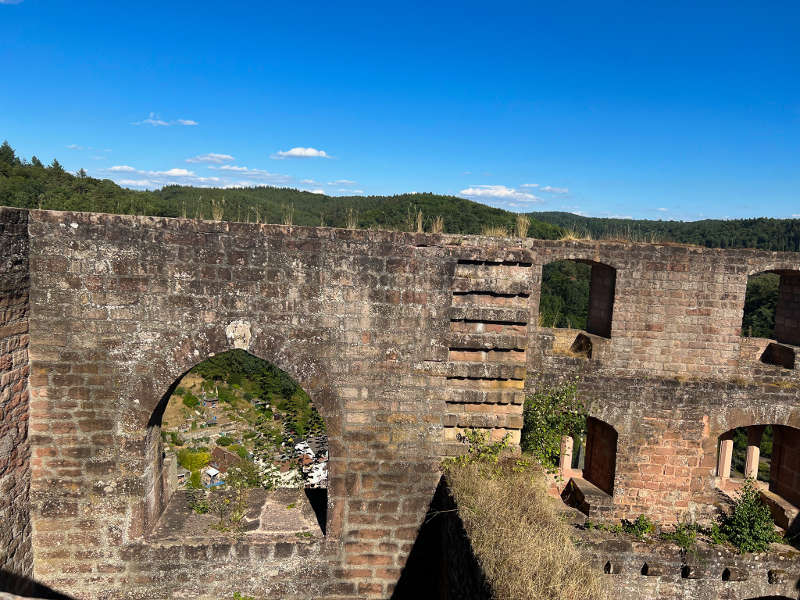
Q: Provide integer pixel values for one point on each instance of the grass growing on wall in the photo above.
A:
(523, 545)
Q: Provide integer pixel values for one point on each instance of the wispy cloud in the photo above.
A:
(300, 152)
(211, 158)
(554, 190)
(309, 182)
(258, 174)
(530, 185)
(70, 146)
(499, 192)
(10, 1)
(122, 169)
(662, 209)
(155, 120)
(342, 182)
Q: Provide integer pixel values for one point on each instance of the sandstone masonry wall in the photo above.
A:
(15, 531)
(401, 340)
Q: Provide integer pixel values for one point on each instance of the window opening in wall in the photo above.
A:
(770, 454)
(237, 427)
(578, 294)
(772, 312)
(761, 299)
(601, 454)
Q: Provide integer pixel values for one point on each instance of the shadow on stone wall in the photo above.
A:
(24, 586)
(442, 565)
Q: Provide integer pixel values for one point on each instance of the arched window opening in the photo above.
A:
(770, 454)
(772, 312)
(237, 427)
(578, 294)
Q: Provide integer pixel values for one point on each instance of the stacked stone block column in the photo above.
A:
(488, 344)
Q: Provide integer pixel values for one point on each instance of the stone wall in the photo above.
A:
(401, 341)
(635, 570)
(15, 527)
(784, 476)
(787, 313)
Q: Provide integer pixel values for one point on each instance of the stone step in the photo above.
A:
(487, 299)
(482, 420)
(485, 370)
(493, 285)
(486, 341)
(478, 396)
(489, 314)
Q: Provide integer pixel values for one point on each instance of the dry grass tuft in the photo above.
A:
(351, 218)
(494, 231)
(519, 538)
(420, 222)
(288, 215)
(438, 225)
(522, 225)
(217, 208)
(574, 236)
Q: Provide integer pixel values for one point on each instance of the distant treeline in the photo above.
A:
(32, 184)
(762, 233)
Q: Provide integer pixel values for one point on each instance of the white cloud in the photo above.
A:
(173, 173)
(797, 216)
(156, 121)
(350, 191)
(530, 185)
(662, 209)
(231, 168)
(300, 152)
(499, 192)
(211, 157)
(122, 169)
(317, 191)
(342, 182)
(554, 190)
(10, 1)
(308, 182)
(136, 183)
(71, 146)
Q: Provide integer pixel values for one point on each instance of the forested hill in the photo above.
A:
(32, 184)
(764, 233)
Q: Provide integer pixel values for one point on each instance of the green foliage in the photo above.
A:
(639, 528)
(549, 414)
(193, 461)
(190, 400)
(175, 439)
(479, 449)
(246, 474)
(238, 596)
(684, 536)
(195, 480)
(749, 526)
(224, 440)
(240, 450)
(198, 499)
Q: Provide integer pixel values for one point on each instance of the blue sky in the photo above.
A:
(673, 110)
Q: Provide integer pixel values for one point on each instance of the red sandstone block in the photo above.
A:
(369, 559)
(352, 573)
